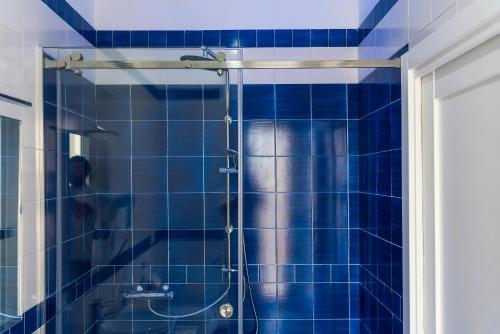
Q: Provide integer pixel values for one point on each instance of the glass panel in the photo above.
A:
(9, 221)
(139, 201)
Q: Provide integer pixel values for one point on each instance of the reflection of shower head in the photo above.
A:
(195, 58)
(200, 58)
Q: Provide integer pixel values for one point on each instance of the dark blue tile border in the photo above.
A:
(230, 38)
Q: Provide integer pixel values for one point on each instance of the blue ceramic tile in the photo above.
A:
(248, 38)
(214, 102)
(352, 38)
(265, 38)
(31, 320)
(116, 182)
(157, 39)
(260, 210)
(286, 273)
(293, 138)
(340, 273)
(113, 102)
(265, 301)
(331, 301)
(215, 247)
(149, 102)
(185, 138)
(331, 326)
(186, 211)
(211, 38)
(175, 38)
(149, 175)
(329, 174)
(261, 246)
(180, 240)
(185, 174)
(258, 102)
(395, 125)
(177, 274)
(229, 38)
(330, 210)
(303, 273)
(293, 174)
(215, 137)
(283, 38)
(259, 138)
(322, 273)
(301, 38)
(216, 208)
(149, 138)
(353, 101)
(294, 326)
(293, 102)
(185, 102)
(121, 38)
(337, 38)
(384, 173)
(150, 211)
(329, 138)
(196, 274)
(215, 181)
(354, 246)
(139, 39)
(293, 210)
(329, 101)
(259, 174)
(263, 273)
(193, 38)
(294, 301)
(114, 211)
(294, 246)
(324, 253)
(319, 37)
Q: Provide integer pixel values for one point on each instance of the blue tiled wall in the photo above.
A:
(378, 202)
(302, 250)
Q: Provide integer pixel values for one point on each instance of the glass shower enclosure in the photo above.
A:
(141, 195)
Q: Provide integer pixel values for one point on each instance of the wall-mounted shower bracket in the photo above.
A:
(228, 119)
(229, 229)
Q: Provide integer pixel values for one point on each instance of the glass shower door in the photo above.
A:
(140, 167)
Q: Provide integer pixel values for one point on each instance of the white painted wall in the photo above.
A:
(24, 26)
(427, 15)
(225, 14)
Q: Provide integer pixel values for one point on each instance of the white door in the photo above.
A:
(459, 159)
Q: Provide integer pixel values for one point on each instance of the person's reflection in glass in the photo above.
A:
(78, 211)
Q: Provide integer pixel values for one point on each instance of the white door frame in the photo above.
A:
(474, 25)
